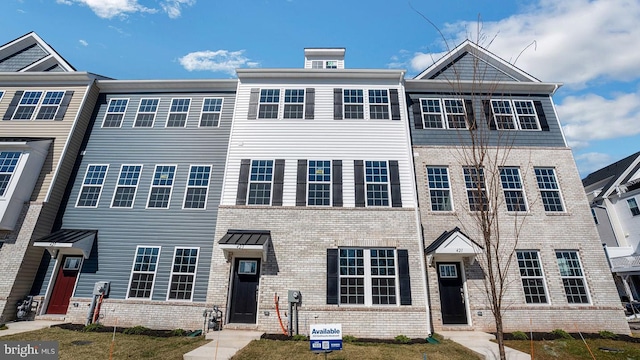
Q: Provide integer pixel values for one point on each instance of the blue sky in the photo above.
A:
(592, 47)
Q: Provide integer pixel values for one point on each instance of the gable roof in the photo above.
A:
(451, 235)
(30, 53)
(618, 173)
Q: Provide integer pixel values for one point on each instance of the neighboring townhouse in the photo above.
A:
(319, 198)
(143, 206)
(559, 276)
(614, 194)
(45, 106)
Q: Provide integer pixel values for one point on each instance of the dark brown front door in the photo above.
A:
(451, 294)
(244, 296)
(64, 283)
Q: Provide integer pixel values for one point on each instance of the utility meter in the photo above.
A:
(295, 296)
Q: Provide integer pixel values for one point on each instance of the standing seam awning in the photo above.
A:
(68, 241)
(249, 243)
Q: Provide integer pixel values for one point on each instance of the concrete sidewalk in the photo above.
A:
(480, 342)
(24, 326)
(224, 345)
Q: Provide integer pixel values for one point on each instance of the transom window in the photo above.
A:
(377, 183)
(183, 273)
(367, 276)
(476, 189)
(319, 183)
(8, 163)
(512, 188)
(294, 104)
(146, 113)
(92, 186)
(633, 206)
(269, 101)
(197, 187)
(572, 277)
(549, 190)
(161, 187)
(353, 104)
(115, 113)
(260, 182)
(439, 188)
(211, 108)
(178, 113)
(532, 277)
(143, 272)
(378, 104)
(127, 186)
(515, 114)
(435, 110)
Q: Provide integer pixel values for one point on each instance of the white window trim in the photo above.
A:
(629, 205)
(364, 103)
(388, 103)
(280, 112)
(104, 118)
(451, 266)
(135, 192)
(173, 182)
(173, 262)
(1, 94)
(330, 182)
(583, 277)
(155, 273)
(445, 114)
(249, 182)
(12, 176)
(169, 112)
(524, 195)
(82, 185)
(514, 115)
(202, 112)
(368, 293)
(284, 103)
(187, 186)
(422, 113)
(138, 112)
(535, 114)
(37, 106)
(484, 188)
(453, 209)
(559, 190)
(543, 277)
(388, 182)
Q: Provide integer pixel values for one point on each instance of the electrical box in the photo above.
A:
(295, 296)
(101, 288)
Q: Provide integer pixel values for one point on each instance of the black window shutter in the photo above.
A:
(278, 181)
(13, 105)
(332, 276)
(243, 181)
(403, 276)
(309, 103)
(337, 104)
(541, 116)
(337, 183)
(468, 104)
(253, 104)
(396, 194)
(395, 104)
(301, 187)
(358, 172)
(64, 105)
(417, 114)
(488, 113)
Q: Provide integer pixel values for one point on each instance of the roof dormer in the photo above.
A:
(324, 58)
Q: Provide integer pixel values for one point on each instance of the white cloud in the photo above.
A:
(83, 42)
(108, 9)
(216, 61)
(592, 161)
(173, 8)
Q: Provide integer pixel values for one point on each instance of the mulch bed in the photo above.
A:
(282, 337)
(539, 336)
(109, 329)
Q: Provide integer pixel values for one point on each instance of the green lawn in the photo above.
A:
(576, 349)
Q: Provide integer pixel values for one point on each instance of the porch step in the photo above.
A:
(51, 317)
(239, 326)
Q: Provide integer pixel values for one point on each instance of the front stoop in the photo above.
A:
(480, 343)
(224, 345)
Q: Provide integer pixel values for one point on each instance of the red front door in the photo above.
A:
(64, 284)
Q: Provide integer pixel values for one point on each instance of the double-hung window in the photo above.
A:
(532, 276)
(573, 279)
(146, 113)
(549, 190)
(92, 186)
(269, 101)
(353, 104)
(50, 105)
(8, 163)
(367, 276)
(27, 105)
(161, 186)
(47, 106)
(178, 113)
(476, 188)
(378, 104)
(143, 272)
(512, 188)
(260, 180)
(211, 108)
(115, 113)
(319, 183)
(439, 188)
(183, 274)
(431, 113)
(377, 183)
(1, 94)
(197, 187)
(294, 103)
(515, 114)
(127, 186)
(451, 110)
(633, 206)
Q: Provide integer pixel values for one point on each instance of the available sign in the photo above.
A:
(325, 337)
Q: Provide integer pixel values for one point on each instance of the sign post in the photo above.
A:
(325, 337)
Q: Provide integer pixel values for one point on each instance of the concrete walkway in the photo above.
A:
(24, 326)
(224, 345)
(480, 343)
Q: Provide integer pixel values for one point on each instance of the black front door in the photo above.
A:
(244, 296)
(451, 294)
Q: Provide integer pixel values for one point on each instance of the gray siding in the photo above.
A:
(121, 230)
(23, 58)
(448, 137)
(472, 68)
